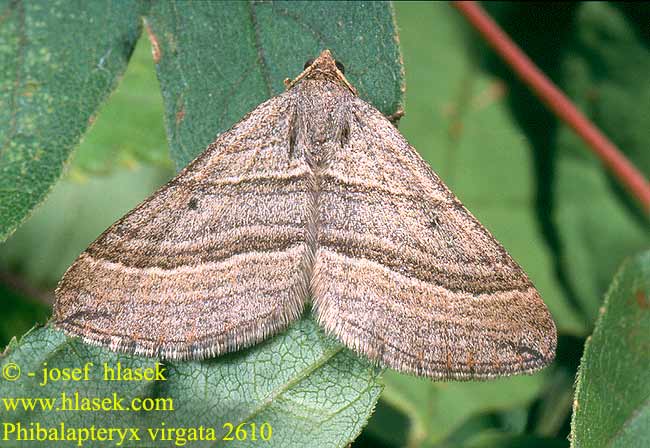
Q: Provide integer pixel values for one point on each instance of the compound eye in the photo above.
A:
(308, 63)
(340, 67)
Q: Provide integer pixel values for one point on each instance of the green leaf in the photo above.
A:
(605, 74)
(217, 62)
(494, 439)
(436, 409)
(307, 387)
(612, 400)
(119, 139)
(110, 174)
(58, 62)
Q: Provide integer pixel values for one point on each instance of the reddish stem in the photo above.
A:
(631, 178)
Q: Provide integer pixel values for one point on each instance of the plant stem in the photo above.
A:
(627, 174)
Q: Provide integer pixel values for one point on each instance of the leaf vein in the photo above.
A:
(261, 56)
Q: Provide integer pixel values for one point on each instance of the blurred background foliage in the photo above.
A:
(523, 174)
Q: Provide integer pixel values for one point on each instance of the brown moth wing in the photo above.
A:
(407, 276)
(212, 262)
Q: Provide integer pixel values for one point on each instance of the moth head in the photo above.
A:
(339, 65)
(324, 67)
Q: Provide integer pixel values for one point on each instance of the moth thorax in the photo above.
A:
(323, 109)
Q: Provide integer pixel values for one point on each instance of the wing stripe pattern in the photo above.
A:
(214, 261)
(407, 276)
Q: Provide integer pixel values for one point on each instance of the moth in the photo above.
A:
(313, 198)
